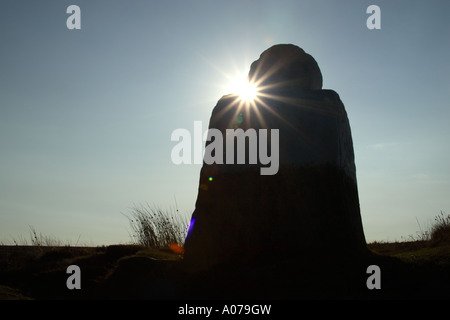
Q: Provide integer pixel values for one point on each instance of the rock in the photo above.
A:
(310, 206)
(286, 67)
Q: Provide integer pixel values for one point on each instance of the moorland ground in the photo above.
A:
(414, 269)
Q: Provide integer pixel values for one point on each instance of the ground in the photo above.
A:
(416, 270)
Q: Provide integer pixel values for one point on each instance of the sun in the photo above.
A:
(247, 91)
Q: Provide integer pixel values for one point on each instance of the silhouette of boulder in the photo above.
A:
(286, 67)
(309, 206)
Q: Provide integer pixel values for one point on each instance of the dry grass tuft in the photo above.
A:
(154, 227)
(440, 231)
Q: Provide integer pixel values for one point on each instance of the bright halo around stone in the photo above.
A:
(247, 91)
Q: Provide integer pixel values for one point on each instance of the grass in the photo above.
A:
(151, 227)
(40, 240)
(157, 228)
(440, 231)
(439, 255)
(438, 234)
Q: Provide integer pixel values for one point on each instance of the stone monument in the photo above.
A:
(308, 204)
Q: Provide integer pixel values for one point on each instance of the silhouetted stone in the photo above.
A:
(286, 67)
(310, 207)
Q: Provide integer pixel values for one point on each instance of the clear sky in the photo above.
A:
(86, 115)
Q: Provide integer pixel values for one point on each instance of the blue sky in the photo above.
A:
(86, 115)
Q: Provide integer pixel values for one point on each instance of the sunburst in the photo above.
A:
(244, 89)
(250, 94)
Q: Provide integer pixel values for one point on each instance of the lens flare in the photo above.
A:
(191, 226)
(176, 248)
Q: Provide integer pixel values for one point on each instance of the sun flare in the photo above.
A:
(246, 90)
